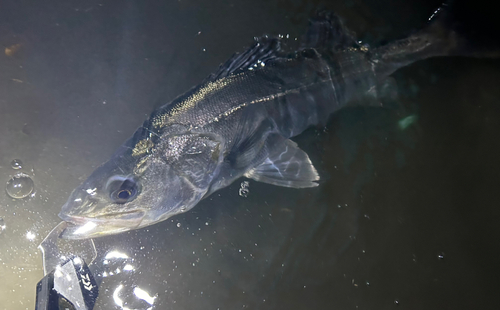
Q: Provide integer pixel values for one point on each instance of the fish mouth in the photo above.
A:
(91, 227)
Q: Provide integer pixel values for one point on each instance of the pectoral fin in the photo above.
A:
(287, 165)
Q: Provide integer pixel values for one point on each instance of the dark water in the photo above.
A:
(404, 219)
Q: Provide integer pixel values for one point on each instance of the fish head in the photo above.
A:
(130, 192)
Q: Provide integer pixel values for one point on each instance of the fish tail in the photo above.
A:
(444, 35)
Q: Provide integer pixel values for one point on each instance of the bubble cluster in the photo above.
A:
(20, 186)
(243, 192)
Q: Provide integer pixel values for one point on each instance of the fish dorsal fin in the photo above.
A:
(264, 49)
(326, 30)
(287, 165)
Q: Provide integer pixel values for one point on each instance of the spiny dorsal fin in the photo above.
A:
(264, 49)
(326, 30)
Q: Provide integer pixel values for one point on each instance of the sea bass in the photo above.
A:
(239, 122)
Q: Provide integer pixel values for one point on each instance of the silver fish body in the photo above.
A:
(237, 123)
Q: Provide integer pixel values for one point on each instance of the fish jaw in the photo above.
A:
(84, 227)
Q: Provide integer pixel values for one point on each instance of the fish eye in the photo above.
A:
(121, 190)
(124, 194)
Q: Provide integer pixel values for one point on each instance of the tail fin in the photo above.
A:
(444, 36)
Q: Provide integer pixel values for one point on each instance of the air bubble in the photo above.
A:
(20, 186)
(2, 225)
(16, 164)
(243, 192)
(178, 224)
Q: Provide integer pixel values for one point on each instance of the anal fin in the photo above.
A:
(287, 165)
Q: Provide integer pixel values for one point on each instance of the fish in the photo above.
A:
(238, 123)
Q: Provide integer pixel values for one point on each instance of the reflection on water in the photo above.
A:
(407, 121)
(30, 235)
(126, 295)
(133, 298)
(115, 262)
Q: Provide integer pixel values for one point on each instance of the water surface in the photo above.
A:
(405, 218)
